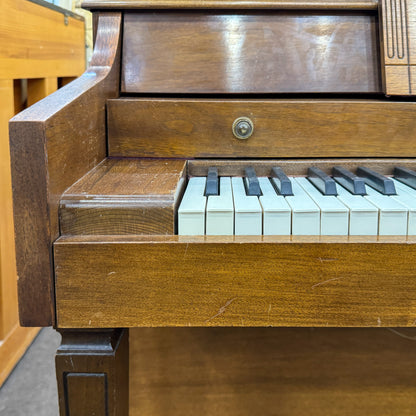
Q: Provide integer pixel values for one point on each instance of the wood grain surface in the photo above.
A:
(128, 281)
(250, 53)
(36, 42)
(124, 196)
(231, 4)
(398, 38)
(272, 371)
(8, 293)
(53, 144)
(170, 127)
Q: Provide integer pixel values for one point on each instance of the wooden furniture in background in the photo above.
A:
(41, 47)
(83, 241)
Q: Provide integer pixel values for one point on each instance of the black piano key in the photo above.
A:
(282, 182)
(349, 180)
(377, 181)
(212, 186)
(252, 183)
(322, 181)
(405, 175)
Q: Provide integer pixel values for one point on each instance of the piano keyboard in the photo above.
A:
(345, 204)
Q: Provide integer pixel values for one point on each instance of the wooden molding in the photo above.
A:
(232, 4)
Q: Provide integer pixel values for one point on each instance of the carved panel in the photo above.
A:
(398, 27)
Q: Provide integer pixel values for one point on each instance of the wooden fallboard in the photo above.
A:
(129, 281)
(255, 52)
(283, 128)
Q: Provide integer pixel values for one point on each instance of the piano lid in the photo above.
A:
(232, 4)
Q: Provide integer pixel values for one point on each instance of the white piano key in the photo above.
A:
(191, 212)
(334, 214)
(404, 188)
(407, 197)
(393, 215)
(220, 210)
(276, 211)
(306, 216)
(247, 210)
(363, 214)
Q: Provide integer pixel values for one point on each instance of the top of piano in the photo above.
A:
(231, 4)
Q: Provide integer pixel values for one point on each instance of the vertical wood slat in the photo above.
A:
(8, 293)
(39, 88)
(398, 41)
(65, 81)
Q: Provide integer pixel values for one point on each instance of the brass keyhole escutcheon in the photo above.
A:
(243, 128)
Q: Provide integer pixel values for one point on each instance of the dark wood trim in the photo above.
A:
(232, 4)
(92, 370)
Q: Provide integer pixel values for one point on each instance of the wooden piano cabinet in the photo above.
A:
(98, 172)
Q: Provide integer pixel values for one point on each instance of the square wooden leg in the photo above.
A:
(92, 370)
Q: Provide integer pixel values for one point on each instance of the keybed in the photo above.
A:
(308, 209)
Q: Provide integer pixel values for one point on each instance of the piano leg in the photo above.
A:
(92, 370)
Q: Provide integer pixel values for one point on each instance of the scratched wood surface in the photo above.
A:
(128, 281)
(124, 196)
(398, 38)
(54, 143)
(272, 371)
(170, 127)
(250, 53)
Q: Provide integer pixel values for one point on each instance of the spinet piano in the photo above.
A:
(101, 168)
